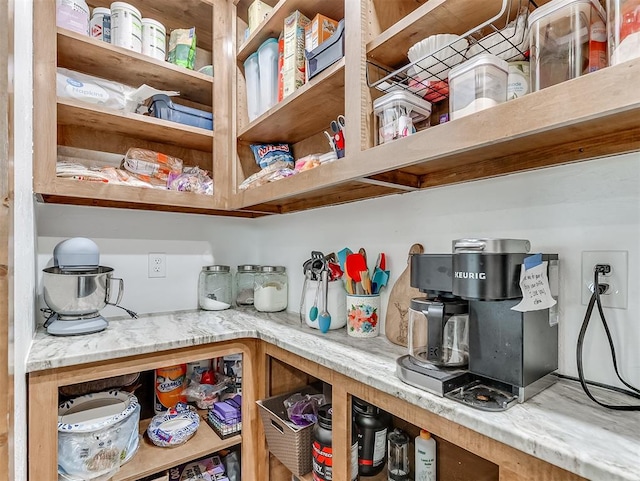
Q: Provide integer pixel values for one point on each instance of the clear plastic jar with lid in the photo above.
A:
(270, 289)
(214, 288)
(245, 278)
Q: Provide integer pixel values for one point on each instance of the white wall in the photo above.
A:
(587, 206)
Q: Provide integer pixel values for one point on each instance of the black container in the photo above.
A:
(322, 450)
(321, 445)
(371, 424)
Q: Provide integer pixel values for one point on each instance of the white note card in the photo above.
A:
(536, 293)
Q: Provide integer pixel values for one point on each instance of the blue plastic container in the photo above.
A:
(163, 108)
(327, 53)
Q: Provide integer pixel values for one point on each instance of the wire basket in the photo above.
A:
(505, 35)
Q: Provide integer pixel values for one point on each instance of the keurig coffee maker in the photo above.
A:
(510, 353)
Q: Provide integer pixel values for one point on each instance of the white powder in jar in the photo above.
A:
(209, 304)
(476, 106)
(270, 298)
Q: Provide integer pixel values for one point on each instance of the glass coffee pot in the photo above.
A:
(439, 332)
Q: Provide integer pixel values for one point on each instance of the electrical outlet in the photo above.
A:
(157, 264)
(617, 279)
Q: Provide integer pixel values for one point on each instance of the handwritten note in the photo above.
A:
(534, 283)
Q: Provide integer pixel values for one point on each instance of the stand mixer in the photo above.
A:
(468, 316)
(76, 288)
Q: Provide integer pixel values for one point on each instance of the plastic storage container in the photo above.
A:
(163, 108)
(372, 424)
(397, 112)
(252, 81)
(100, 26)
(270, 291)
(327, 53)
(214, 288)
(623, 28)
(477, 84)
(245, 279)
(73, 15)
(126, 26)
(268, 66)
(568, 39)
(154, 39)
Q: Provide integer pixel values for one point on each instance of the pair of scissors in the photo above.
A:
(337, 127)
(338, 124)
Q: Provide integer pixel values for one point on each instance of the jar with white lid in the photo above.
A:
(245, 279)
(477, 84)
(154, 39)
(126, 26)
(101, 24)
(214, 288)
(270, 291)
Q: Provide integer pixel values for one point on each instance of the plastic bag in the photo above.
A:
(150, 166)
(302, 409)
(182, 47)
(192, 179)
(204, 395)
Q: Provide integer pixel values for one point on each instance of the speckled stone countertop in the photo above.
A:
(560, 425)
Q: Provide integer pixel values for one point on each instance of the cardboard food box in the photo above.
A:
(209, 468)
(318, 30)
(293, 70)
(257, 11)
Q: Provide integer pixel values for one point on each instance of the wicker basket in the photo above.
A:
(290, 444)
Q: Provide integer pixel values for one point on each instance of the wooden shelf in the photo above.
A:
(273, 24)
(151, 459)
(99, 194)
(82, 114)
(173, 14)
(306, 112)
(100, 59)
(599, 117)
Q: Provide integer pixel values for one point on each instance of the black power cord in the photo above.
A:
(598, 289)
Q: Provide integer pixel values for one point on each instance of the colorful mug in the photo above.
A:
(363, 315)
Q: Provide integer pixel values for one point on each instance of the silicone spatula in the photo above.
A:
(355, 264)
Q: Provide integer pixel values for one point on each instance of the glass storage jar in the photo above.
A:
(270, 289)
(214, 288)
(245, 278)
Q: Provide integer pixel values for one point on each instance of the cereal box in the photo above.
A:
(293, 71)
(257, 11)
(318, 30)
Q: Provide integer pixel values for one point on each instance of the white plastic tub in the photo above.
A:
(126, 26)
(154, 39)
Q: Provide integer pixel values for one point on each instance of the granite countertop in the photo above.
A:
(560, 425)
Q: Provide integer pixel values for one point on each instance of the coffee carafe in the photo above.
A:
(438, 332)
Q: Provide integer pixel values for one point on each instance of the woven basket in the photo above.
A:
(290, 444)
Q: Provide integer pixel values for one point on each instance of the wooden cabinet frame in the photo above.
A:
(270, 370)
